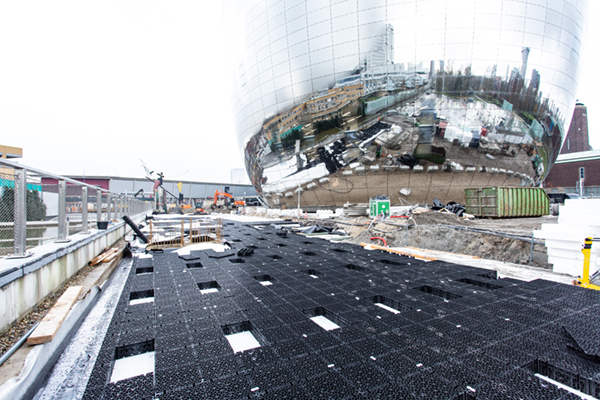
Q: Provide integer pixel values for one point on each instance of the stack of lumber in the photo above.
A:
(356, 210)
(107, 256)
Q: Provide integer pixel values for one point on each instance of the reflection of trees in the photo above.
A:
(288, 139)
(36, 211)
(325, 125)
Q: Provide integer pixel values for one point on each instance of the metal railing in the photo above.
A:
(38, 207)
(173, 233)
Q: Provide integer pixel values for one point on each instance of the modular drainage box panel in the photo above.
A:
(340, 323)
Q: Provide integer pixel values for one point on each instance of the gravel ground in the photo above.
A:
(11, 335)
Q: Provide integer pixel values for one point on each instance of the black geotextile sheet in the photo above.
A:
(458, 334)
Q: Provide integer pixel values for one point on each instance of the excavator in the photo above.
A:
(222, 194)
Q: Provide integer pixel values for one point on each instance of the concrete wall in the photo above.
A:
(27, 281)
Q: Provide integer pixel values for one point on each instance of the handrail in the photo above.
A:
(124, 204)
(16, 165)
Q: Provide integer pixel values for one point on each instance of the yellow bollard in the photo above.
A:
(585, 280)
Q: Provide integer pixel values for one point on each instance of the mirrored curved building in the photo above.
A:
(341, 101)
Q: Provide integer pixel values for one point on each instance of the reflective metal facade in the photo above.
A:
(417, 99)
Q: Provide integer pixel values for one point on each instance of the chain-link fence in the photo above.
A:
(37, 207)
(6, 213)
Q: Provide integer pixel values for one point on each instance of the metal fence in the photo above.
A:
(38, 207)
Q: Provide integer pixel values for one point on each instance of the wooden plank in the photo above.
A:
(48, 327)
(103, 256)
(112, 256)
(98, 259)
(402, 253)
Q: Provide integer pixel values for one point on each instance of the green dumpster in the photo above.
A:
(506, 202)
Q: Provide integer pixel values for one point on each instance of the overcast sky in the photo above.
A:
(91, 88)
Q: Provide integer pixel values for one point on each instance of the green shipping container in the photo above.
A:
(506, 202)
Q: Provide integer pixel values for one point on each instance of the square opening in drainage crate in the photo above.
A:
(490, 275)
(237, 260)
(144, 270)
(389, 304)
(484, 285)
(392, 262)
(209, 287)
(324, 318)
(143, 296)
(355, 267)
(265, 280)
(438, 292)
(313, 273)
(240, 336)
(133, 360)
(194, 264)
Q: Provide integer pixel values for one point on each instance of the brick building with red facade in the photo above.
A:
(564, 175)
(576, 153)
(577, 139)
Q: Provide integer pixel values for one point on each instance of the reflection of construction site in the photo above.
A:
(410, 150)
(404, 118)
(179, 232)
(346, 107)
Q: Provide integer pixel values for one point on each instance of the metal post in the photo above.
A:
(84, 210)
(62, 211)
(109, 212)
(120, 207)
(531, 251)
(98, 205)
(182, 230)
(20, 215)
(299, 202)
